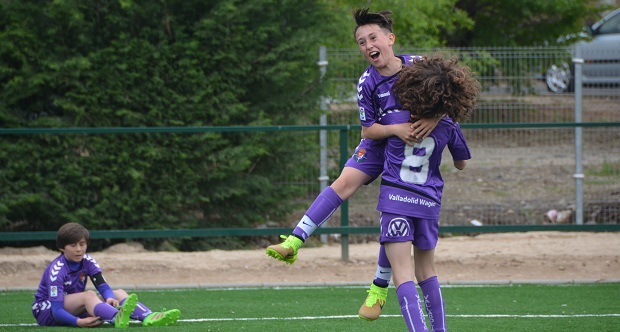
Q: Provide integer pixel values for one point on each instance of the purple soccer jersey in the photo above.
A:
(412, 184)
(375, 100)
(58, 279)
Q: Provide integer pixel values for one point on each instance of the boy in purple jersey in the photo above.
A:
(375, 39)
(411, 186)
(62, 298)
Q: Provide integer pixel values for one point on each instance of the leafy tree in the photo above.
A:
(522, 23)
(420, 24)
(467, 23)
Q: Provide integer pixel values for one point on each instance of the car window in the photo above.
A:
(611, 26)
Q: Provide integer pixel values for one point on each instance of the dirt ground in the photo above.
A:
(485, 258)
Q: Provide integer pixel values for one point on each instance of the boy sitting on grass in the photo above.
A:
(62, 298)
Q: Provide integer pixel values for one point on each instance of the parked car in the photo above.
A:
(601, 54)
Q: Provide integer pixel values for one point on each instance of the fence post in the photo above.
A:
(578, 61)
(323, 177)
(344, 208)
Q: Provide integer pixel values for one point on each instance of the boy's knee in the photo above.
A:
(345, 186)
(91, 294)
(120, 294)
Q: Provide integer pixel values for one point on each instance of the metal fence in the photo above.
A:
(528, 155)
(518, 174)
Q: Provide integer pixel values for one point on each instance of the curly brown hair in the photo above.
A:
(436, 86)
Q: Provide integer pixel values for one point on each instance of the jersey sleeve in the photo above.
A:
(458, 146)
(62, 315)
(367, 113)
(91, 265)
(55, 280)
(411, 59)
(105, 291)
(94, 272)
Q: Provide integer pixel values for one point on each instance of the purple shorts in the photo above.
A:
(423, 233)
(368, 158)
(42, 312)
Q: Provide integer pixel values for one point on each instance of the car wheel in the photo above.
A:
(559, 78)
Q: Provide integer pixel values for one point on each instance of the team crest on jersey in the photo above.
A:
(82, 278)
(398, 227)
(360, 155)
(53, 291)
(362, 114)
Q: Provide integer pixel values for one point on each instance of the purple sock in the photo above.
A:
(140, 312)
(433, 302)
(105, 311)
(411, 306)
(321, 209)
(384, 269)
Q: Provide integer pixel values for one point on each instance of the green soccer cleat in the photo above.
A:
(371, 309)
(287, 250)
(163, 318)
(121, 319)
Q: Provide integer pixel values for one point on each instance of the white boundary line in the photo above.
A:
(393, 316)
(447, 283)
(202, 320)
(296, 287)
(239, 288)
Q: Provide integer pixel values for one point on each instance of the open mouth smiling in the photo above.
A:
(374, 55)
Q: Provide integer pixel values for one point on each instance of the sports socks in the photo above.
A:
(140, 312)
(321, 209)
(411, 306)
(384, 270)
(105, 311)
(433, 302)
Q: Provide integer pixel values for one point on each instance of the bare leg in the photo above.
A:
(424, 263)
(78, 303)
(349, 181)
(399, 254)
(120, 294)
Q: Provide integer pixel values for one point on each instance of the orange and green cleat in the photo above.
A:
(121, 319)
(287, 250)
(163, 318)
(372, 307)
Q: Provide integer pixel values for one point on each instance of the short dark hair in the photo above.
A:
(70, 233)
(362, 17)
(437, 86)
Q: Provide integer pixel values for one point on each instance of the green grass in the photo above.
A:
(607, 169)
(574, 307)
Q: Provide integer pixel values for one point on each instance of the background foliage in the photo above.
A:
(467, 23)
(73, 63)
(123, 63)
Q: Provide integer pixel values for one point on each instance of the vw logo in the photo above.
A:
(398, 227)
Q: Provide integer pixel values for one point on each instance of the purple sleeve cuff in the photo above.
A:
(62, 315)
(105, 291)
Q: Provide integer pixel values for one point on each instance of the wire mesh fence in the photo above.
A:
(517, 175)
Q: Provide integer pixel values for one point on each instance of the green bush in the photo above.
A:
(125, 63)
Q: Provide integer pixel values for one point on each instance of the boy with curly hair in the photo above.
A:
(411, 186)
(375, 39)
